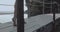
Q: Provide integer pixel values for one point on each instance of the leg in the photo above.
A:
(14, 21)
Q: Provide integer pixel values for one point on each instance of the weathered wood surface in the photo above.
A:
(7, 27)
(32, 23)
(36, 22)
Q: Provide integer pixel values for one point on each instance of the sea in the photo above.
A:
(8, 18)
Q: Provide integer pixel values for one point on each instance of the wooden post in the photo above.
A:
(20, 16)
(53, 9)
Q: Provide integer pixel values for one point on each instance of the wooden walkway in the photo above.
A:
(36, 22)
(31, 25)
(7, 27)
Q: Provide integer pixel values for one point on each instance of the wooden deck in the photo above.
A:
(7, 27)
(36, 22)
(31, 25)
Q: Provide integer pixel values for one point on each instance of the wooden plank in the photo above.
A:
(37, 22)
(31, 25)
(7, 27)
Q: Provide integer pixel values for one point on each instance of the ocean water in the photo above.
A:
(8, 18)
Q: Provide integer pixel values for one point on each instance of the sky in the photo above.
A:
(9, 8)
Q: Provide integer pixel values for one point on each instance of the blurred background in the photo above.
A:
(7, 10)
